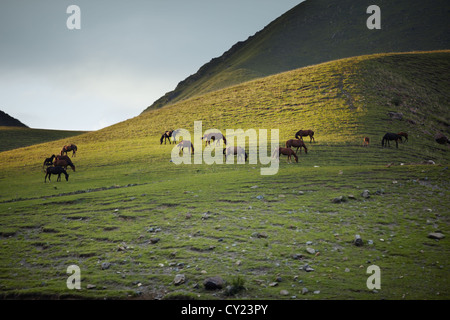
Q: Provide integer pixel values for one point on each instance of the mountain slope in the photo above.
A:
(319, 31)
(7, 120)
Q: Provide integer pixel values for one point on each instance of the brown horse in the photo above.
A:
(366, 142)
(185, 144)
(214, 136)
(166, 135)
(304, 133)
(68, 148)
(404, 135)
(285, 151)
(239, 151)
(296, 143)
(63, 161)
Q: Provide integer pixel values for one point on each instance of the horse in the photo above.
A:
(214, 136)
(166, 135)
(56, 170)
(366, 142)
(68, 148)
(48, 161)
(63, 161)
(388, 137)
(285, 151)
(296, 143)
(304, 133)
(239, 151)
(185, 144)
(404, 135)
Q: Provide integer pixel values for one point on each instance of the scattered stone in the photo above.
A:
(259, 197)
(297, 256)
(188, 215)
(91, 286)
(350, 196)
(365, 194)
(106, 265)
(436, 235)
(310, 250)
(214, 283)
(253, 187)
(154, 240)
(338, 199)
(396, 115)
(284, 292)
(358, 241)
(441, 139)
(259, 235)
(301, 192)
(307, 268)
(347, 270)
(273, 284)
(179, 279)
(305, 290)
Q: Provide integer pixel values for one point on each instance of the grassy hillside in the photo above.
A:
(18, 137)
(132, 220)
(330, 30)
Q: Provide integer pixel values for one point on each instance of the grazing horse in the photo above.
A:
(63, 161)
(239, 151)
(304, 133)
(388, 137)
(68, 148)
(48, 161)
(285, 151)
(366, 142)
(214, 136)
(56, 170)
(166, 135)
(185, 144)
(404, 135)
(296, 143)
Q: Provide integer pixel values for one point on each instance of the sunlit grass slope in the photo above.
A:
(132, 220)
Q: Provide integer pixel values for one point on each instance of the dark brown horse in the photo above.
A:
(63, 161)
(366, 142)
(214, 136)
(404, 135)
(304, 133)
(166, 135)
(55, 170)
(389, 137)
(68, 148)
(48, 161)
(285, 151)
(239, 151)
(296, 143)
(185, 144)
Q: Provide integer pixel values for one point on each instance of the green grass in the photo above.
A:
(210, 219)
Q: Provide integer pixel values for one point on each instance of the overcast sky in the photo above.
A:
(126, 55)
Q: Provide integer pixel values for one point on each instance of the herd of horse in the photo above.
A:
(57, 164)
(287, 151)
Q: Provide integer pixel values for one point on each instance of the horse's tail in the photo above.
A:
(306, 149)
(224, 140)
